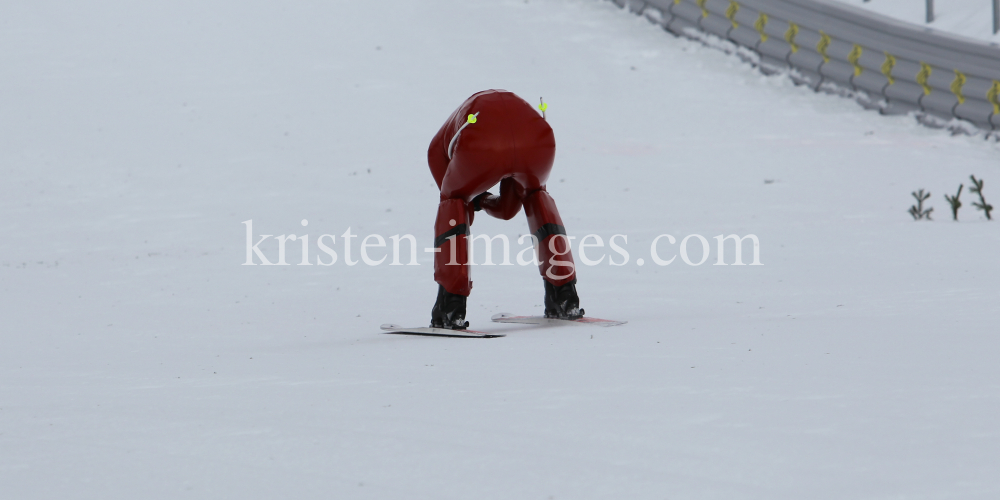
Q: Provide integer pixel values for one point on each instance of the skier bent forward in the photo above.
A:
(495, 136)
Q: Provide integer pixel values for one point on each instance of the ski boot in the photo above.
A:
(449, 311)
(562, 302)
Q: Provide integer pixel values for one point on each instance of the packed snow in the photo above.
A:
(142, 359)
(968, 18)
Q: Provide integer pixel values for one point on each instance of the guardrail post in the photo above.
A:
(930, 11)
(996, 16)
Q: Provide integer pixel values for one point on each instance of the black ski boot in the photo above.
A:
(562, 302)
(449, 311)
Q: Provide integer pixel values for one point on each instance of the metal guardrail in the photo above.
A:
(900, 67)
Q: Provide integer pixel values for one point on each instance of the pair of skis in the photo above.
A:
(499, 318)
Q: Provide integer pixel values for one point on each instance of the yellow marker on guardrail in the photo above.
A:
(854, 57)
(731, 13)
(993, 95)
(956, 86)
(759, 26)
(923, 75)
(890, 62)
(822, 45)
(790, 34)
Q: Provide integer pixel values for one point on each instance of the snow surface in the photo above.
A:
(140, 359)
(971, 18)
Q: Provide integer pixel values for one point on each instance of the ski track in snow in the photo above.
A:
(140, 359)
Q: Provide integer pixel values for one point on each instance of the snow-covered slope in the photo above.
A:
(971, 18)
(140, 359)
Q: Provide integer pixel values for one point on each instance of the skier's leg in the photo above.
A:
(470, 172)
(554, 256)
(451, 269)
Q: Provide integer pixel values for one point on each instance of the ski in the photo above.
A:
(438, 332)
(542, 320)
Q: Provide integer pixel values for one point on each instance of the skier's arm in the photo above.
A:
(506, 205)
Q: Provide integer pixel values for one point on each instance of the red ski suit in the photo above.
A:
(509, 143)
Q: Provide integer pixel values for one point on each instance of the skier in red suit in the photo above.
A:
(495, 136)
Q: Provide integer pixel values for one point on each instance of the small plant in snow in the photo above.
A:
(917, 211)
(953, 201)
(982, 205)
